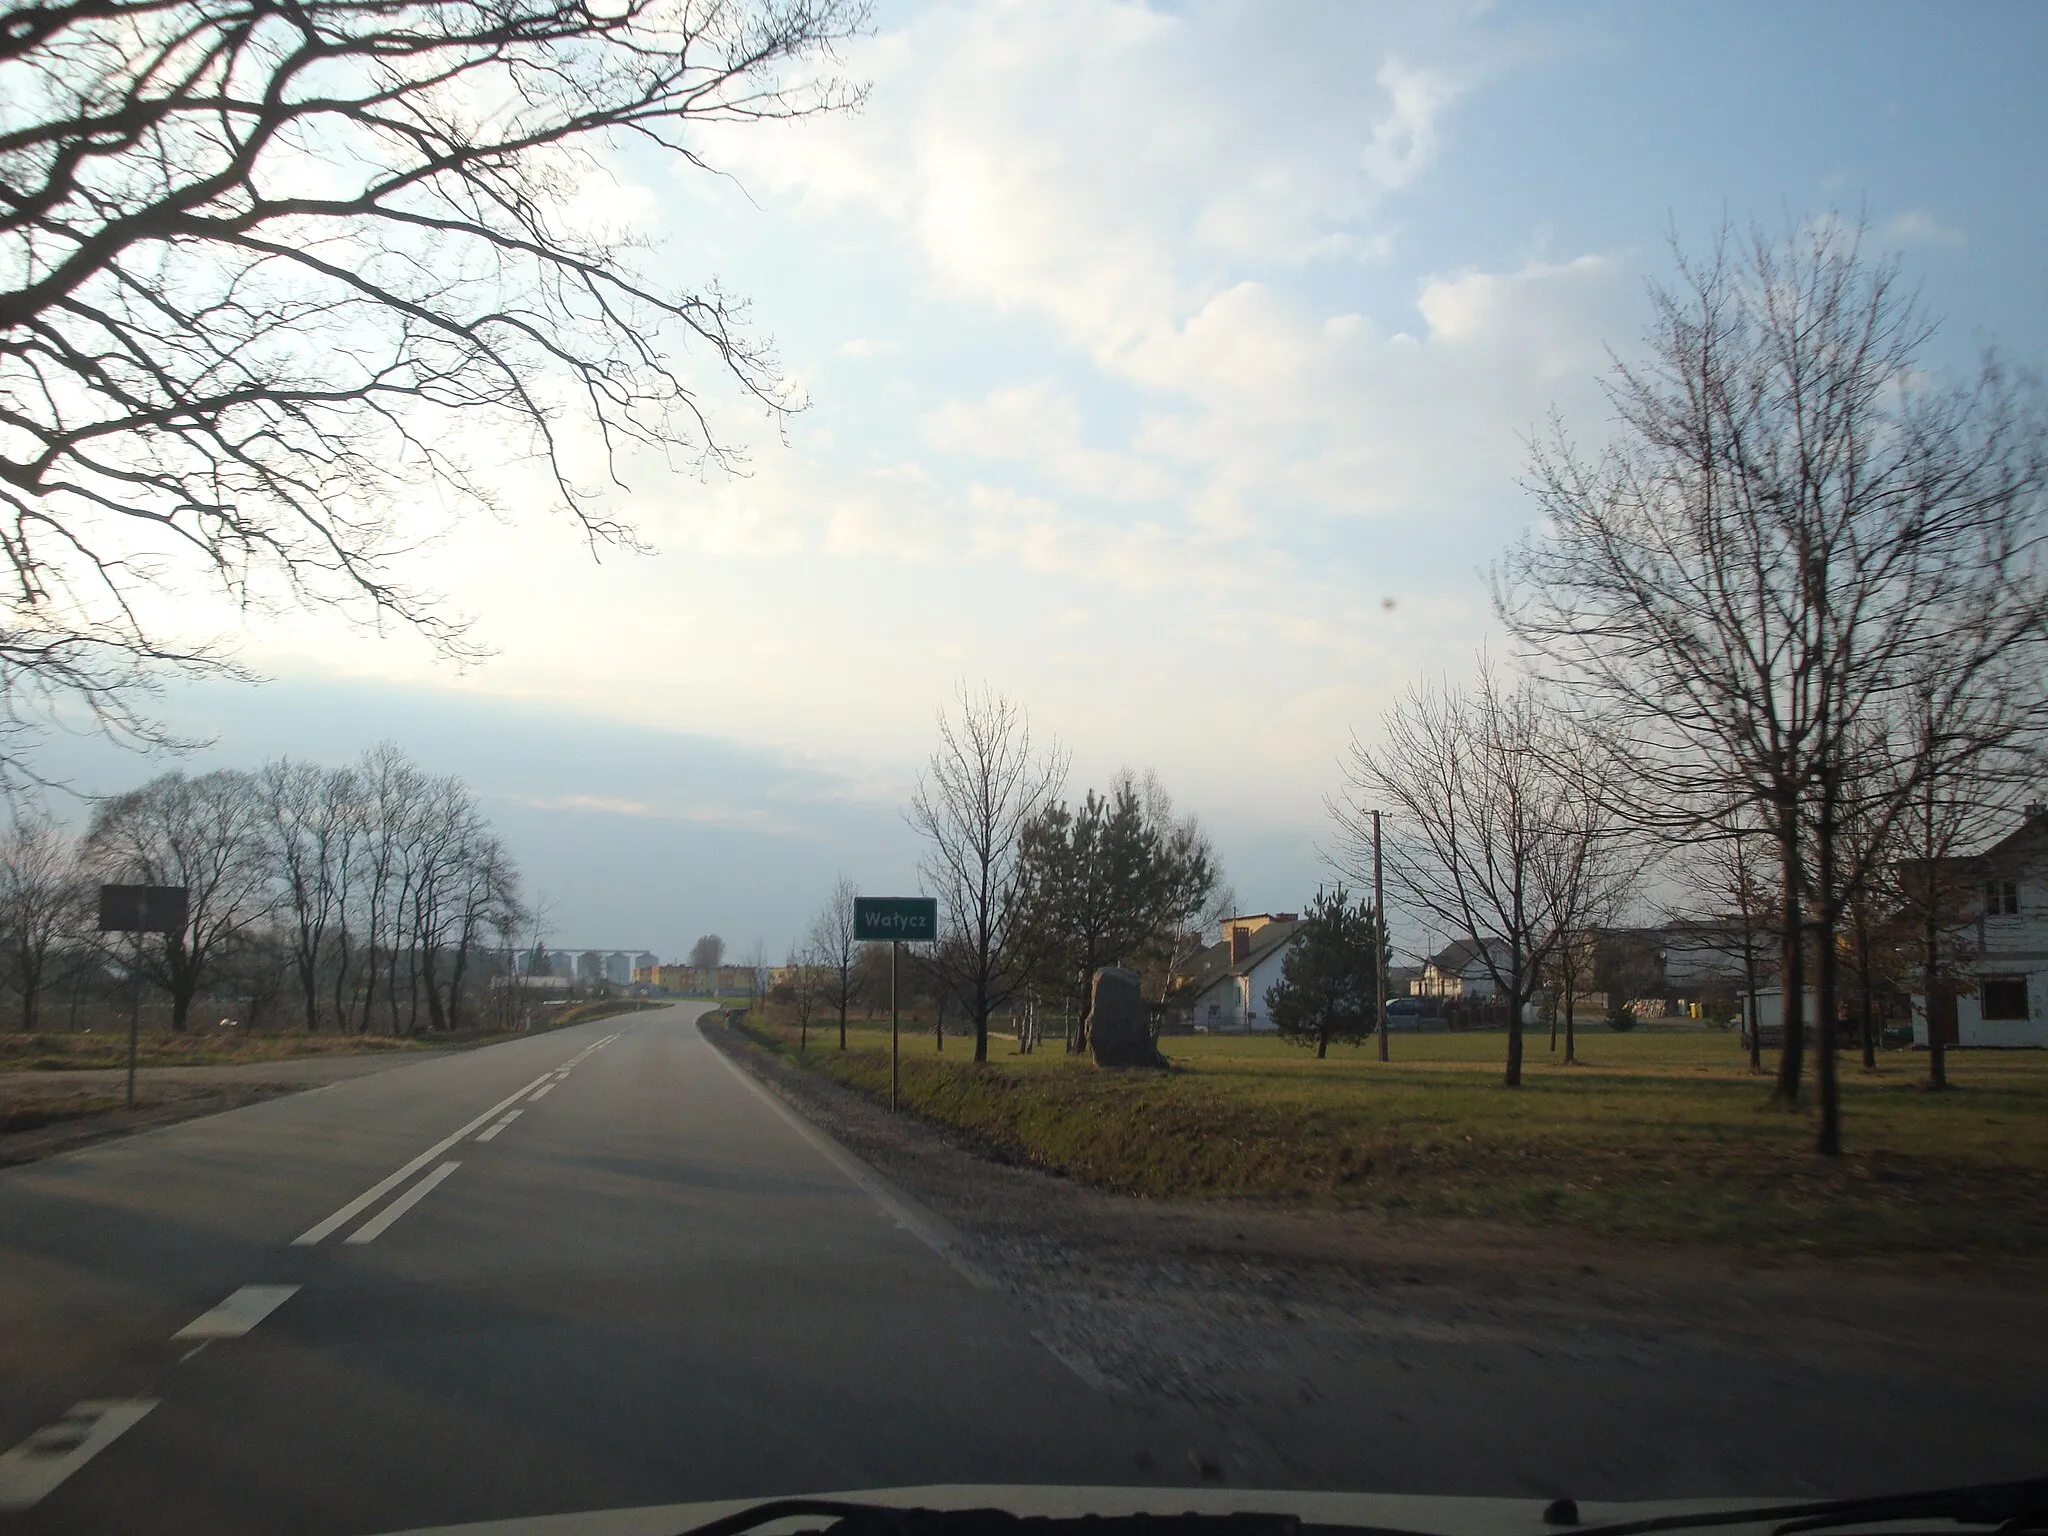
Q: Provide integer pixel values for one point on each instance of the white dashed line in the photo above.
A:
(541, 1092)
(238, 1314)
(492, 1133)
(42, 1461)
(377, 1225)
(384, 1186)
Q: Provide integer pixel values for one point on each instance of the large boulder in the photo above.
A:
(1117, 1026)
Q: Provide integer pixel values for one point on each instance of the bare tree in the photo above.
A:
(303, 823)
(810, 981)
(1790, 525)
(42, 900)
(1729, 882)
(206, 835)
(706, 955)
(263, 263)
(1492, 827)
(983, 786)
(833, 946)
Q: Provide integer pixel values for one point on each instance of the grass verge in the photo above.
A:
(67, 1051)
(1653, 1136)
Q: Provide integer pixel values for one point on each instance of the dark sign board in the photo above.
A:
(911, 919)
(142, 908)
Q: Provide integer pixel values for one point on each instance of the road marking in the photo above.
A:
(383, 1187)
(238, 1314)
(922, 1225)
(376, 1226)
(492, 1133)
(541, 1092)
(42, 1461)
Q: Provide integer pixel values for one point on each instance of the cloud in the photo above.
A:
(1914, 227)
(749, 819)
(1041, 425)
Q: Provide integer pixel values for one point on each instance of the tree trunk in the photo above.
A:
(1792, 967)
(1756, 1039)
(1863, 997)
(1930, 974)
(1571, 1034)
(1514, 1072)
(1828, 1139)
(1827, 978)
(842, 1014)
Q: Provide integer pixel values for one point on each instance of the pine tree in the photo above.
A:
(1325, 990)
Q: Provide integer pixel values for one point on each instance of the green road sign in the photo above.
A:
(909, 919)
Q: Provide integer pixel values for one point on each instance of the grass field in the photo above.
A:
(73, 1050)
(1661, 1136)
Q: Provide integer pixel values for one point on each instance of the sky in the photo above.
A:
(1169, 368)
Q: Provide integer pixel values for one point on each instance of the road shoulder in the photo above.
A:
(1182, 1297)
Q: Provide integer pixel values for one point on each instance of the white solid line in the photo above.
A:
(42, 1461)
(923, 1225)
(375, 1227)
(383, 1187)
(541, 1092)
(238, 1314)
(491, 1134)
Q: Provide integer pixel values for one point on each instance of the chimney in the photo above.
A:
(1240, 943)
(2036, 811)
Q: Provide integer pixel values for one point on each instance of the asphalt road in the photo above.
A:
(395, 1302)
(650, 1286)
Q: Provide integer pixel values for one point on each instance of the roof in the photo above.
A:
(1213, 964)
(1459, 956)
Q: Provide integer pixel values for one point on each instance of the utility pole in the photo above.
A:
(1379, 941)
(895, 1025)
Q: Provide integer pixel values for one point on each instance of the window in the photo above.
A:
(2001, 898)
(2002, 997)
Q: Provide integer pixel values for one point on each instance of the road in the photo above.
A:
(649, 1286)
(601, 1268)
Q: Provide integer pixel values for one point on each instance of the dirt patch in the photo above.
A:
(1203, 1299)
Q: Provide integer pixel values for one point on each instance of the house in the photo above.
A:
(1705, 954)
(1459, 970)
(1223, 988)
(2001, 998)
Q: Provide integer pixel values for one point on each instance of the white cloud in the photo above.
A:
(1914, 227)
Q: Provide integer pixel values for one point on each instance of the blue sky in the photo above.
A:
(1150, 351)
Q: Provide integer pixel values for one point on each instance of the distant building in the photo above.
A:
(590, 966)
(618, 968)
(1458, 970)
(561, 962)
(2001, 997)
(1223, 988)
(645, 959)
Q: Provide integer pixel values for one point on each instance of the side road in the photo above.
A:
(1235, 1302)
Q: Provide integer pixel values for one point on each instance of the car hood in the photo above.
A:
(1446, 1516)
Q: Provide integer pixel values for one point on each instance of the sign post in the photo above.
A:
(900, 920)
(140, 909)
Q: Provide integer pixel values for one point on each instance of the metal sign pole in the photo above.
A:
(895, 1025)
(134, 1013)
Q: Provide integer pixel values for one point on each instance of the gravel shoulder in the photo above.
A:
(1208, 1300)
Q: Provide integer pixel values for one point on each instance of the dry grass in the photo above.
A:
(1661, 1136)
(68, 1051)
